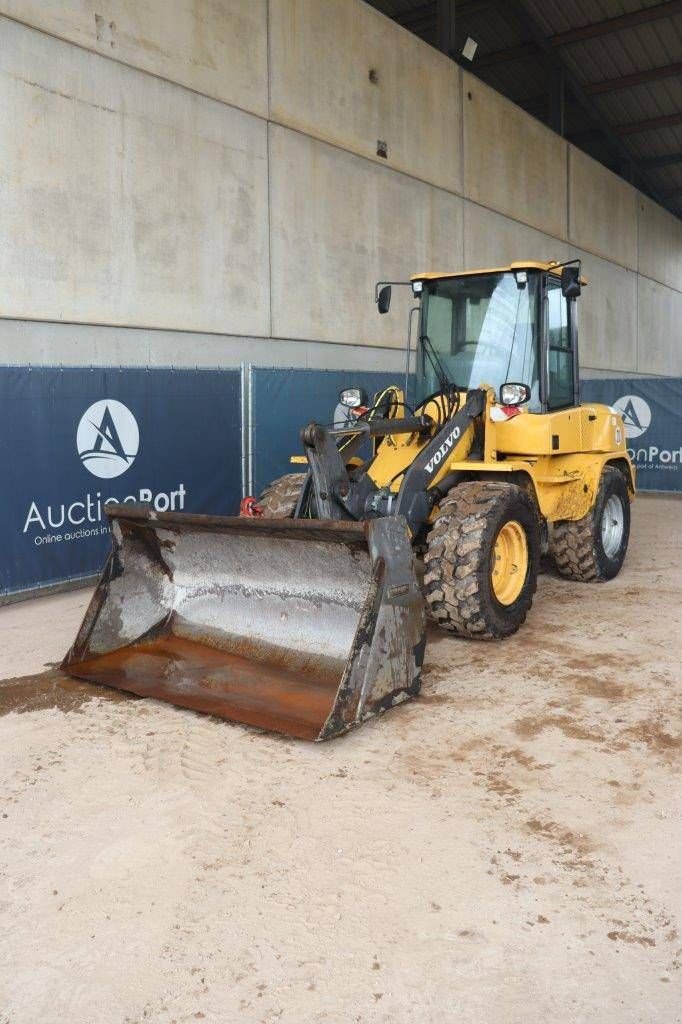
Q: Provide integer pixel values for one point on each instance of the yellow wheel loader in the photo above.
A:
(305, 615)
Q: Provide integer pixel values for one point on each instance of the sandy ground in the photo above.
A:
(505, 849)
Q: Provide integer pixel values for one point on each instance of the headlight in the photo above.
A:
(352, 398)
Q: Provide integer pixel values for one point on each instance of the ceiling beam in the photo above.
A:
(475, 6)
(428, 13)
(650, 124)
(667, 160)
(557, 100)
(540, 104)
(511, 53)
(637, 78)
(586, 137)
(623, 21)
(445, 26)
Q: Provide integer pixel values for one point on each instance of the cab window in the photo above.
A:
(559, 350)
(481, 329)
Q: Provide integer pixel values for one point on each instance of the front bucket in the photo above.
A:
(306, 628)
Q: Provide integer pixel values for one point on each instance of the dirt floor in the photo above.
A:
(507, 848)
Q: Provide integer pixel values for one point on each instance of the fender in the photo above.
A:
(565, 486)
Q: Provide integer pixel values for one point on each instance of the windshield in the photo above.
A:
(478, 330)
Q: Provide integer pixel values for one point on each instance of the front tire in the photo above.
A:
(593, 549)
(279, 499)
(482, 560)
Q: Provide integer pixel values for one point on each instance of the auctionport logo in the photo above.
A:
(107, 438)
(636, 415)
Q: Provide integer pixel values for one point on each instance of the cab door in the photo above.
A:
(560, 348)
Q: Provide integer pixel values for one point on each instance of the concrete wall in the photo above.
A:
(46, 343)
(660, 249)
(660, 331)
(321, 56)
(608, 315)
(512, 163)
(492, 240)
(335, 232)
(216, 47)
(211, 168)
(122, 195)
(602, 210)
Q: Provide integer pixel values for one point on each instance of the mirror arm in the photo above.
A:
(382, 284)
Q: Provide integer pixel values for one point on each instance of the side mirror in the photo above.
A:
(384, 299)
(514, 394)
(570, 282)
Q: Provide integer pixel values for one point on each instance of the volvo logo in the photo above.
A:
(440, 454)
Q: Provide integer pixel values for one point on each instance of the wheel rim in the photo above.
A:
(509, 562)
(612, 526)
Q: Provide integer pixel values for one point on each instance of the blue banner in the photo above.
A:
(73, 439)
(651, 408)
(283, 401)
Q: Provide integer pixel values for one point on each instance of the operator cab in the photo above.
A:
(513, 324)
(494, 327)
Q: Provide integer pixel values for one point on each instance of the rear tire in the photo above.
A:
(279, 499)
(485, 534)
(593, 549)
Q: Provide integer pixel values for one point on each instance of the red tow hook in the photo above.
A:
(249, 508)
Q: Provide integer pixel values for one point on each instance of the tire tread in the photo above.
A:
(573, 542)
(455, 550)
(279, 498)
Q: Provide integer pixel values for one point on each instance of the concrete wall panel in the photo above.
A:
(125, 199)
(660, 314)
(660, 244)
(607, 315)
(217, 47)
(341, 223)
(321, 55)
(491, 240)
(602, 215)
(512, 163)
(49, 344)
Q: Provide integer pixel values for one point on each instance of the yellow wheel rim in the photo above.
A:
(509, 562)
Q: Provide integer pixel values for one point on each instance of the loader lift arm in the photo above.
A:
(338, 495)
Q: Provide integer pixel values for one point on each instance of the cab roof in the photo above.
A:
(552, 267)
